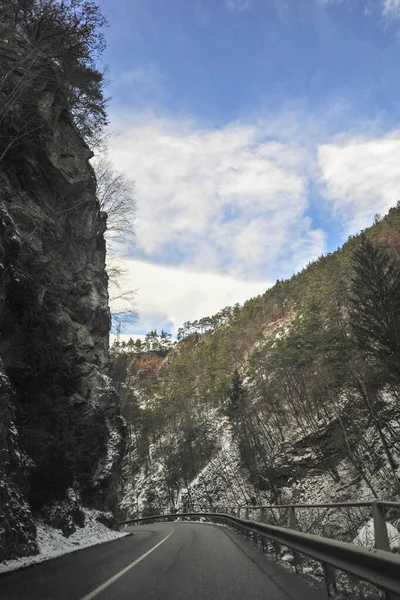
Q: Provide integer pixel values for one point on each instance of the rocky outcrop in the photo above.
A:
(60, 427)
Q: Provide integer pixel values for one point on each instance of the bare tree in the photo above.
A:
(121, 296)
(116, 194)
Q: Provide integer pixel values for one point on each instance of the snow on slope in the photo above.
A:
(52, 543)
(301, 476)
(366, 537)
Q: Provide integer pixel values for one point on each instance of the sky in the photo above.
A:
(260, 134)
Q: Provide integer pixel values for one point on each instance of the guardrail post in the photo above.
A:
(296, 555)
(330, 580)
(380, 529)
(264, 541)
(247, 518)
(381, 535)
(238, 512)
(278, 549)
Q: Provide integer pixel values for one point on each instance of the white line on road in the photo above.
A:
(109, 582)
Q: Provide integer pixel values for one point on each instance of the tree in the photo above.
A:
(67, 33)
(375, 319)
(237, 393)
(116, 195)
(375, 305)
(122, 298)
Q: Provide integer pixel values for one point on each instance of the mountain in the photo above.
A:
(61, 433)
(292, 397)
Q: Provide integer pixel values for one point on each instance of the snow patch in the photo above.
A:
(113, 443)
(366, 537)
(52, 543)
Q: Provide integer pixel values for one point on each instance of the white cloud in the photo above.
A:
(228, 201)
(391, 8)
(238, 5)
(174, 295)
(228, 209)
(361, 177)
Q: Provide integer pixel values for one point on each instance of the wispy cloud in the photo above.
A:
(141, 85)
(361, 177)
(238, 5)
(391, 8)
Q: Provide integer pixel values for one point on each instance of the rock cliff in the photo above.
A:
(61, 434)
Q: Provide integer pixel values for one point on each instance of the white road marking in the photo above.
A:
(109, 582)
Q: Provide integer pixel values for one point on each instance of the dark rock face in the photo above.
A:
(60, 427)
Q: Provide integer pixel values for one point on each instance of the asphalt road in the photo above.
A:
(171, 561)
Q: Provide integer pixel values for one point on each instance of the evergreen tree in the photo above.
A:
(375, 304)
(236, 393)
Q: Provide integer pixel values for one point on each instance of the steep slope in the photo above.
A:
(274, 401)
(61, 434)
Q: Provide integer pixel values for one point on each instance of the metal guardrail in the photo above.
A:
(377, 511)
(375, 565)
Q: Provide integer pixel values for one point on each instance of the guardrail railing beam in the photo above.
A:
(378, 566)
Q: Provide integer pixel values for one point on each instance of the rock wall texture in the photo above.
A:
(61, 434)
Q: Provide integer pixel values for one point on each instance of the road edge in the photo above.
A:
(51, 558)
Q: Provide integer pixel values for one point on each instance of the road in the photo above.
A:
(170, 561)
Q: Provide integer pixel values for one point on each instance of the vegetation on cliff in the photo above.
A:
(61, 434)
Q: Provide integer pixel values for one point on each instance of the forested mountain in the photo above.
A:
(292, 396)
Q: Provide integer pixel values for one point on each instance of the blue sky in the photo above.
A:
(260, 134)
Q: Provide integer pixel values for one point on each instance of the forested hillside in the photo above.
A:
(292, 396)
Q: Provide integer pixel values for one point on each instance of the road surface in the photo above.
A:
(169, 561)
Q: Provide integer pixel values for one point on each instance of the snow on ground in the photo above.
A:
(197, 478)
(365, 535)
(113, 443)
(52, 543)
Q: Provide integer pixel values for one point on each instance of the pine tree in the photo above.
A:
(237, 392)
(375, 304)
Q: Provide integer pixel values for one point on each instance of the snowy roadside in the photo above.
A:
(52, 543)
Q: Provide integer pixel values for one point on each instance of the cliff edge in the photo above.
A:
(61, 433)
